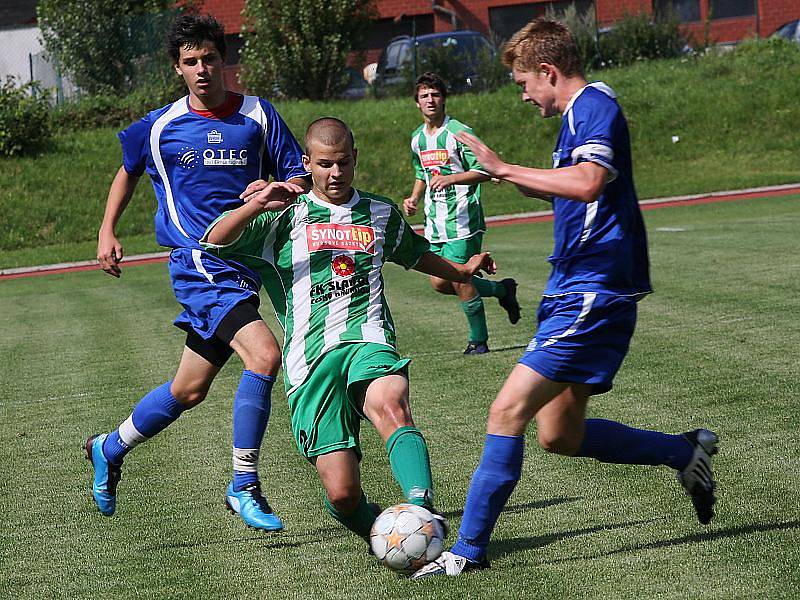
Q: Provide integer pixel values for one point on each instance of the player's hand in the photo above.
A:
(253, 188)
(410, 206)
(109, 253)
(276, 195)
(485, 155)
(439, 182)
(481, 262)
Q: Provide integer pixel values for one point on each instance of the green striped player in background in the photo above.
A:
(320, 258)
(449, 178)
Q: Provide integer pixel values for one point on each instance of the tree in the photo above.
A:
(299, 49)
(102, 44)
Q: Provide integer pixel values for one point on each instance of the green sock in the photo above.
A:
(359, 521)
(488, 288)
(408, 455)
(476, 318)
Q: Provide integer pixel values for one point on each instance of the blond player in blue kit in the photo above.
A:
(587, 314)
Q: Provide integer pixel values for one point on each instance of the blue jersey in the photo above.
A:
(600, 247)
(200, 161)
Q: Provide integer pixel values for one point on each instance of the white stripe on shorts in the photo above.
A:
(588, 301)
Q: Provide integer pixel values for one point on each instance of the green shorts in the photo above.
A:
(459, 251)
(324, 410)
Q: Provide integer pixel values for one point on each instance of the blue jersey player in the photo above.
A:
(200, 153)
(588, 312)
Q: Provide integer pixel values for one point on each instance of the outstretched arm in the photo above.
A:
(275, 196)
(433, 264)
(583, 182)
(109, 248)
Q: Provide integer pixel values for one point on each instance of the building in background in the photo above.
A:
(724, 21)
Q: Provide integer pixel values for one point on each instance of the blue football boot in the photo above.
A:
(106, 475)
(250, 504)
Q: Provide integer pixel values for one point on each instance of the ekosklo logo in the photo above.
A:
(332, 236)
(224, 157)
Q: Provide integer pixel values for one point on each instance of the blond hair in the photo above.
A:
(543, 41)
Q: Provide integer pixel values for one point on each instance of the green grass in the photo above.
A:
(730, 137)
(716, 346)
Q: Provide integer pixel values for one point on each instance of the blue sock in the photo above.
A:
(489, 490)
(153, 413)
(251, 408)
(612, 442)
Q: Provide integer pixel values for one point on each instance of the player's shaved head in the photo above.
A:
(328, 131)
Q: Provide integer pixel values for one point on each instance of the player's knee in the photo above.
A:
(556, 443)
(264, 360)
(509, 415)
(395, 412)
(442, 286)
(344, 498)
(189, 397)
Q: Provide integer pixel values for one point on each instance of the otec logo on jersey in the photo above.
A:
(434, 158)
(224, 157)
(332, 236)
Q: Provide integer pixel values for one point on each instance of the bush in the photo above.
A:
(24, 119)
(636, 37)
(299, 49)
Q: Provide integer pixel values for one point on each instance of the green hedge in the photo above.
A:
(24, 119)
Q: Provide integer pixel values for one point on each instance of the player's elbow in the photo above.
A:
(589, 191)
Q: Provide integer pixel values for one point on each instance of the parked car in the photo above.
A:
(789, 31)
(398, 56)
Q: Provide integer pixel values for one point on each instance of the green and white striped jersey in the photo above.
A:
(455, 212)
(321, 266)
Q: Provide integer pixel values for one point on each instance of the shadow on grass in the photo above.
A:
(267, 541)
(686, 539)
(494, 350)
(517, 508)
(509, 546)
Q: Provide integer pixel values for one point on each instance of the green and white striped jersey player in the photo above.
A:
(321, 266)
(453, 212)
(449, 177)
(320, 259)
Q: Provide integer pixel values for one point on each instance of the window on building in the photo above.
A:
(684, 10)
(234, 43)
(723, 9)
(505, 21)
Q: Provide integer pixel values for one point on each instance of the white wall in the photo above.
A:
(17, 44)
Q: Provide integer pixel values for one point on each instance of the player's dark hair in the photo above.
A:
(543, 41)
(430, 80)
(190, 31)
(329, 131)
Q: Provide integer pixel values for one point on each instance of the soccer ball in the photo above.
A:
(405, 537)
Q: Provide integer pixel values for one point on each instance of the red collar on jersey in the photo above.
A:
(232, 103)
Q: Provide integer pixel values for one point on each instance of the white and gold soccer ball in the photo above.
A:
(405, 537)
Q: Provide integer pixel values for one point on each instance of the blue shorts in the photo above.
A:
(582, 338)
(208, 288)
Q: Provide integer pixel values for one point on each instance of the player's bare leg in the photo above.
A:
(345, 501)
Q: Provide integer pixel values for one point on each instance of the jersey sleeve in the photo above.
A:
(419, 173)
(135, 146)
(467, 157)
(283, 155)
(407, 247)
(595, 133)
(250, 242)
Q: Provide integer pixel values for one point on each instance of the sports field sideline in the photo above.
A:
(716, 345)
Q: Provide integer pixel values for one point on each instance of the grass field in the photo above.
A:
(716, 346)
